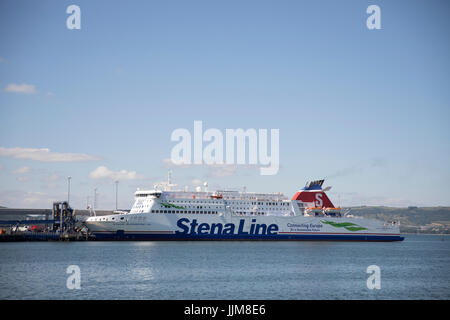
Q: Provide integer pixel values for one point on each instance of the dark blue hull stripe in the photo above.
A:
(329, 237)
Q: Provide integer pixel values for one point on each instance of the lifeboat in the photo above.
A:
(216, 196)
(314, 211)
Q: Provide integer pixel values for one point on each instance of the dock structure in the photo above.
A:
(59, 223)
(18, 214)
(63, 217)
(43, 236)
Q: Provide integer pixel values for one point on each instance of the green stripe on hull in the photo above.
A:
(170, 205)
(346, 225)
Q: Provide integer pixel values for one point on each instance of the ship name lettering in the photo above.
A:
(194, 228)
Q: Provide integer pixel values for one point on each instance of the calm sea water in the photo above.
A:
(417, 268)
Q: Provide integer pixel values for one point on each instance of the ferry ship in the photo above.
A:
(165, 214)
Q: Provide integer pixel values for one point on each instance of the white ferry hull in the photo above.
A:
(231, 227)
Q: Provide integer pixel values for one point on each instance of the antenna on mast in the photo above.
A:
(169, 181)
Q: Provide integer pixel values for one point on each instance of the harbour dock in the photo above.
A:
(61, 223)
(42, 236)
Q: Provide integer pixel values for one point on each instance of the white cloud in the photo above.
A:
(22, 170)
(21, 88)
(25, 199)
(220, 171)
(103, 172)
(52, 177)
(167, 163)
(32, 198)
(214, 170)
(44, 155)
(197, 182)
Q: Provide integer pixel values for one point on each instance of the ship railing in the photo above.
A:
(226, 194)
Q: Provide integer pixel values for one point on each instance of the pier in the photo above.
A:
(57, 224)
(43, 236)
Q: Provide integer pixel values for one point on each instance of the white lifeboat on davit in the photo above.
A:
(314, 211)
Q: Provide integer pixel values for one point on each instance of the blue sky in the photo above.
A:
(366, 109)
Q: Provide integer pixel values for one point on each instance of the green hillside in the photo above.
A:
(412, 219)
